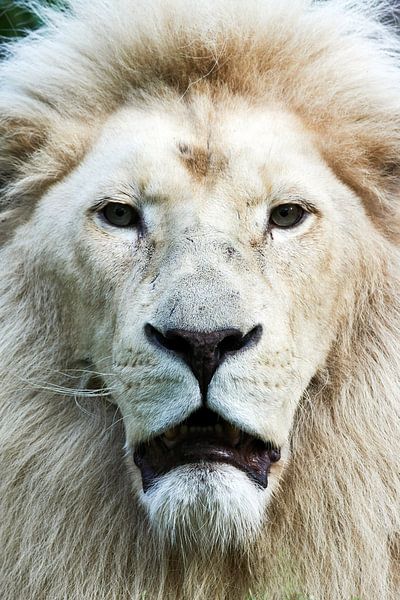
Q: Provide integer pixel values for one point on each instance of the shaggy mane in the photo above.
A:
(69, 526)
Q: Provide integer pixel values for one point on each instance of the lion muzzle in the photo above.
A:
(205, 438)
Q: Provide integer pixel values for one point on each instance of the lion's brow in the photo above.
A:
(201, 161)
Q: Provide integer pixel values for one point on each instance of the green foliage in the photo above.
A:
(15, 19)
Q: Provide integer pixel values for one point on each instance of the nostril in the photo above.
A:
(153, 335)
(203, 351)
(236, 342)
(232, 343)
(252, 337)
(170, 341)
(176, 343)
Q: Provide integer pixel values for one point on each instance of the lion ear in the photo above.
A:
(371, 168)
(379, 187)
(9, 220)
(34, 154)
(20, 139)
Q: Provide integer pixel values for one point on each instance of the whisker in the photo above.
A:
(82, 409)
(65, 391)
(114, 423)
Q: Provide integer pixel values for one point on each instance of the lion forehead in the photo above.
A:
(167, 153)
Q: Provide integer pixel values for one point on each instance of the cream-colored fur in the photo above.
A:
(204, 115)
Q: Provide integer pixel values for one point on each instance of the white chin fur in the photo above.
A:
(205, 506)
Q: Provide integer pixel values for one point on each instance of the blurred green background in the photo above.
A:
(15, 19)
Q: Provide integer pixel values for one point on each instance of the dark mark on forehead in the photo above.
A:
(200, 161)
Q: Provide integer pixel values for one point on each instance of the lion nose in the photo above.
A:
(203, 352)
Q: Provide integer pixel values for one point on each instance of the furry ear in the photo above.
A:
(20, 143)
(379, 187)
(34, 154)
(369, 163)
(19, 140)
(9, 220)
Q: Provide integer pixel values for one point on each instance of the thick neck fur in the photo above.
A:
(72, 529)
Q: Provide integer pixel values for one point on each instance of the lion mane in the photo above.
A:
(69, 527)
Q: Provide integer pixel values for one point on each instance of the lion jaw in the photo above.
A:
(206, 485)
(206, 262)
(205, 507)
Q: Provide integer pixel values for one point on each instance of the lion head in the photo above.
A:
(201, 278)
(199, 296)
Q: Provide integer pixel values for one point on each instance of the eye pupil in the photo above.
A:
(121, 215)
(287, 215)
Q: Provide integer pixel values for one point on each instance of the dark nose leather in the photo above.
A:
(203, 352)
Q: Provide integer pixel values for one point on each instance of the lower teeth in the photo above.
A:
(171, 434)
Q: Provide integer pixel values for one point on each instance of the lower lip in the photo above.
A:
(155, 460)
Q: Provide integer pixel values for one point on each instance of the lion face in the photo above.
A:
(210, 249)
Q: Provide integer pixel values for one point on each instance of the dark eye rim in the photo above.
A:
(136, 219)
(303, 214)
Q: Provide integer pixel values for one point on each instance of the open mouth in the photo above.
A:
(205, 437)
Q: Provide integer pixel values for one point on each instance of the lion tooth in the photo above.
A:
(172, 433)
(233, 432)
(169, 443)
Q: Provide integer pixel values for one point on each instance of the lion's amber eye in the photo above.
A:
(121, 215)
(287, 215)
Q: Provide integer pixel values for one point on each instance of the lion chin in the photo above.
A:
(200, 302)
(206, 483)
(205, 507)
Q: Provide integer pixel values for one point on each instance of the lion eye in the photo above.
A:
(121, 215)
(287, 215)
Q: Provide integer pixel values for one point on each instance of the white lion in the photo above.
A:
(199, 309)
